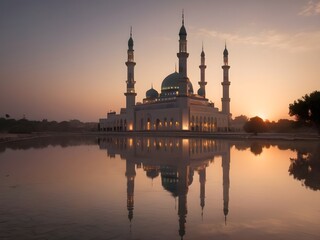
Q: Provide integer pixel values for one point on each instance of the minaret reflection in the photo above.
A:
(174, 160)
(226, 182)
(202, 180)
(130, 174)
(183, 178)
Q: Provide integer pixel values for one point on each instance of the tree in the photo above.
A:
(255, 125)
(7, 115)
(307, 109)
(238, 122)
(306, 168)
(256, 148)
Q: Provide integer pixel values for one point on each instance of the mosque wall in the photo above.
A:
(162, 119)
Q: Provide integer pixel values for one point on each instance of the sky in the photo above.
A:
(63, 60)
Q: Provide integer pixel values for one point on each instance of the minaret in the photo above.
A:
(202, 83)
(183, 55)
(130, 94)
(226, 181)
(225, 84)
(130, 174)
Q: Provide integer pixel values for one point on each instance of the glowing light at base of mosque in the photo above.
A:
(185, 142)
(185, 125)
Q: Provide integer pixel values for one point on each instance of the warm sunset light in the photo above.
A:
(63, 60)
(159, 188)
(262, 116)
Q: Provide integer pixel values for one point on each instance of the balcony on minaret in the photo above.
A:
(130, 56)
(130, 90)
(183, 46)
(225, 61)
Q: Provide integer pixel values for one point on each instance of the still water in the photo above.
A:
(159, 188)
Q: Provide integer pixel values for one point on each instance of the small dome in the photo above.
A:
(201, 92)
(171, 83)
(152, 93)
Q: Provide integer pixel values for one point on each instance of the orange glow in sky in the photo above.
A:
(63, 60)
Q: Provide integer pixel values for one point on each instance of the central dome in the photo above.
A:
(171, 83)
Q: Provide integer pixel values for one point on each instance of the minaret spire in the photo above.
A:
(202, 82)
(225, 54)
(183, 17)
(225, 84)
(130, 93)
(183, 56)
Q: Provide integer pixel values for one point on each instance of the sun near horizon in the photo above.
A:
(66, 60)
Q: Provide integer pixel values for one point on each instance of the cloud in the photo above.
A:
(293, 42)
(310, 9)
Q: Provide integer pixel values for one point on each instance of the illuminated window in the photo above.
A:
(148, 124)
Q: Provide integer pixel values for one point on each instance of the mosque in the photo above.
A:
(177, 107)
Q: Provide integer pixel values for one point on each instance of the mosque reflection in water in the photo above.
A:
(175, 160)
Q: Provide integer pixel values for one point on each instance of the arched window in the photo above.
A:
(121, 125)
(192, 123)
(148, 124)
(158, 123)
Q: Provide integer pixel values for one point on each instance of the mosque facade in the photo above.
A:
(177, 107)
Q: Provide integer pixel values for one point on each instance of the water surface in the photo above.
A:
(159, 188)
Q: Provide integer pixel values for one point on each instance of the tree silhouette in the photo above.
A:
(307, 109)
(256, 148)
(306, 168)
(255, 125)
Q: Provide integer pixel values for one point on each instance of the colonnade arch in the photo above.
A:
(203, 123)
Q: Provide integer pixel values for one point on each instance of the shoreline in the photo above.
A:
(8, 137)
